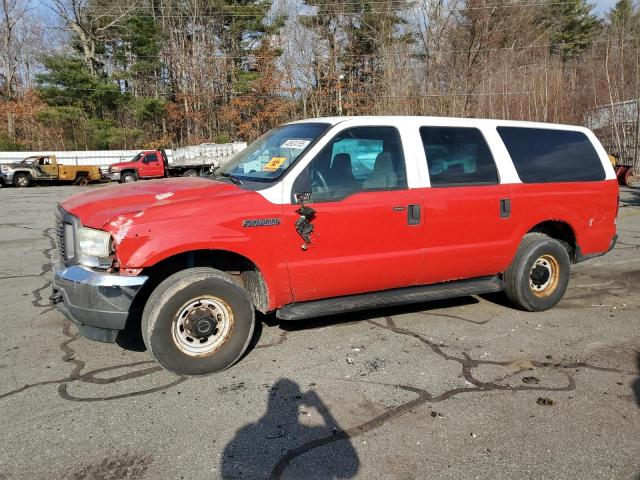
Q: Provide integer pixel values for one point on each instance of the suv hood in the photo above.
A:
(122, 165)
(96, 207)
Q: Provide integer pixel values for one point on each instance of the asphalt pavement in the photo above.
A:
(464, 389)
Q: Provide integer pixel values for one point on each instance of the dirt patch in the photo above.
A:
(119, 466)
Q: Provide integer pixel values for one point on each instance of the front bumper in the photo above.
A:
(114, 176)
(98, 303)
(6, 178)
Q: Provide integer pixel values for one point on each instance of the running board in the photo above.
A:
(390, 298)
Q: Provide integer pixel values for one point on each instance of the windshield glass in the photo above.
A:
(271, 155)
(136, 158)
(29, 160)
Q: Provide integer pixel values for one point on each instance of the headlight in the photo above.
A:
(5, 168)
(95, 247)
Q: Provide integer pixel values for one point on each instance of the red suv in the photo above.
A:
(334, 215)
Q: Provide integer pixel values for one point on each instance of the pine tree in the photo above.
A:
(572, 26)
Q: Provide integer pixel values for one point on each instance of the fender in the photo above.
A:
(143, 239)
(581, 205)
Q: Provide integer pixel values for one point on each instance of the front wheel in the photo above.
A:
(539, 274)
(198, 321)
(128, 177)
(21, 180)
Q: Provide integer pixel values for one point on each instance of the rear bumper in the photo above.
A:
(98, 303)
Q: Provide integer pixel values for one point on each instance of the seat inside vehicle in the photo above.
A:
(383, 174)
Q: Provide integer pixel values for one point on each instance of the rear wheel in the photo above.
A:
(128, 177)
(632, 177)
(198, 321)
(21, 180)
(82, 181)
(539, 274)
(190, 173)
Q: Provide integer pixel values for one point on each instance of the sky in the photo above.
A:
(603, 6)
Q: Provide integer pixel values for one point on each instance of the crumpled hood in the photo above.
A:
(98, 206)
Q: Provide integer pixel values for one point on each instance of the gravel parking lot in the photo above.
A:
(461, 389)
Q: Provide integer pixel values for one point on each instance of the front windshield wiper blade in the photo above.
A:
(234, 179)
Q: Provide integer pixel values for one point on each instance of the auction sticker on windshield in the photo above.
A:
(274, 164)
(299, 144)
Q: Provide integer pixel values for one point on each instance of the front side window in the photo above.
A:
(458, 156)
(266, 159)
(151, 157)
(543, 155)
(356, 160)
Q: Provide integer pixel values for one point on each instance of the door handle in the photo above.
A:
(413, 215)
(505, 207)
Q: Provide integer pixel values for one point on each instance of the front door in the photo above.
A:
(48, 169)
(467, 214)
(367, 227)
(152, 166)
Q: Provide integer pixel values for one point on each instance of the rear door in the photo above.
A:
(152, 165)
(367, 230)
(466, 209)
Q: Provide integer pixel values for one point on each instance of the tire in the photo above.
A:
(190, 173)
(192, 295)
(21, 180)
(632, 177)
(128, 177)
(539, 274)
(82, 181)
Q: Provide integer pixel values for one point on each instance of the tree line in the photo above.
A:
(111, 74)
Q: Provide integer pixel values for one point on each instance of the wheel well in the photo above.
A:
(129, 170)
(241, 269)
(82, 174)
(559, 230)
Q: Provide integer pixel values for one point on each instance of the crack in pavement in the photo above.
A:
(467, 363)
(90, 377)
(45, 269)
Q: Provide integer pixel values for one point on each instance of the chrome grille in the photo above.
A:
(59, 237)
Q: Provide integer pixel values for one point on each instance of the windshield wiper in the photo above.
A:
(234, 179)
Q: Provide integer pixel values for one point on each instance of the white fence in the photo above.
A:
(207, 153)
(80, 157)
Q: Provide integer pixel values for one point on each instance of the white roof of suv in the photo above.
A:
(395, 119)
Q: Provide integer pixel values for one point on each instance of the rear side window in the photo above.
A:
(543, 155)
(458, 156)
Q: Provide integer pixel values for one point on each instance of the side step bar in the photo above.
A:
(390, 298)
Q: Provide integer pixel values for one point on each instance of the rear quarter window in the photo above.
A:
(543, 155)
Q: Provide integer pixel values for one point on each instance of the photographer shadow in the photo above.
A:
(280, 445)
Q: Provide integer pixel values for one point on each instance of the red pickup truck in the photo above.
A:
(334, 215)
(152, 164)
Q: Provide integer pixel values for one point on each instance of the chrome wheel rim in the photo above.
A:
(202, 326)
(129, 179)
(544, 275)
(23, 181)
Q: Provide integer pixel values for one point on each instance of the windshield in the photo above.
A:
(29, 160)
(136, 158)
(271, 155)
